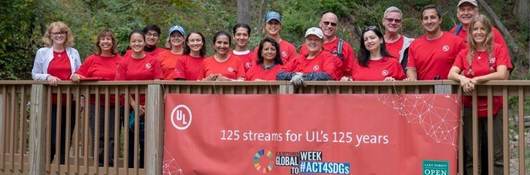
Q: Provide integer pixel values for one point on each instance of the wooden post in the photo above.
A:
(2, 122)
(37, 137)
(154, 130)
(286, 89)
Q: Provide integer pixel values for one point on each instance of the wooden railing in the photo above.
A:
(25, 120)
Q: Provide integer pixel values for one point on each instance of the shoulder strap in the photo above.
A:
(406, 43)
(340, 49)
(458, 28)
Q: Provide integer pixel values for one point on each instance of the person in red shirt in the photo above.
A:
(396, 44)
(102, 66)
(168, 59)
(152, 37)
(273, 26)
(484, 60)
(432, 54)
(465, 12)
(138, 66)
(317, 65)
(375, 63)
(222, 66)
(269, 62)
(333, 44)
(53, 63)
(190, 67)
(241, 37)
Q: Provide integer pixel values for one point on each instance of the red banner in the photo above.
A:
(311, 134)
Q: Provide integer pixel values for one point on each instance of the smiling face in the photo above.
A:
(392, 22)
(176, 39)
(431, 21)
(222, 45)
(479, 33)
(58, 36)
(241, 37)
(372, 42)
(314, 43)
(137, 42)
(273, 27)
(106, 44)
(268, 52)
(328, 24)
(152, 38)
(466, 12)
(195, 42)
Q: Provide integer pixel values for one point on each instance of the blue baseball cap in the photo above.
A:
(177, 28)
(273, 15)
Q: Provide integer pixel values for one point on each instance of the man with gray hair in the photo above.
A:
(396, 44)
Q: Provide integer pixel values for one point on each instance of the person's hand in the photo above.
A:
(389, 79)
(344, 78)
(297, 79)
(141, 110)
(410, 79)
(75, 78)
(222, 78)
(52, 80)
(467, 84)
(257, 79)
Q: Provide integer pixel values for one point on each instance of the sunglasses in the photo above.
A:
(393, 20)
(327, 23)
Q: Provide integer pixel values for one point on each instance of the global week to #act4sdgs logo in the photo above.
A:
(302, 162)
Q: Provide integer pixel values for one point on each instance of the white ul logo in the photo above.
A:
(181, 117)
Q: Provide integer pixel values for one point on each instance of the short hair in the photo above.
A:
(69, 40)
(277, 58)
(431, 6)
(151, 27)
(187, 49)
(106, 33)
(241, 25)
(326, 12)
(392, 9)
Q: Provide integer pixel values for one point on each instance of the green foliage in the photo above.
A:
(23, 22)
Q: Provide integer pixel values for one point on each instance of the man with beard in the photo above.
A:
(432, 54)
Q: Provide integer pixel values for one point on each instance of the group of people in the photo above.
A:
(472, 52)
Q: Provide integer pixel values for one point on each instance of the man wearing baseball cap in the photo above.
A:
(175, 45)
(334, 44)
(313, 66)
(466, 11)
(272, 29)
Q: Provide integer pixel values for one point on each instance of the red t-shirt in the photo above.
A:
(323, 62)
(377, 70)
(168, 61)
(60, 66)
(147, 68)
(230, 68)
(259, 72)
(189, 68)
(483, 64)
(100, 67)
(394, 48)
(497, 38)
(247, 59)
(349, 55)
(433, 58)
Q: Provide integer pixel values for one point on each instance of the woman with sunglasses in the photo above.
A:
(374, 62)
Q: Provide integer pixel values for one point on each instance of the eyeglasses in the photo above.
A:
(393, 20)
(59, 33)
(152, 34)
(330, 23)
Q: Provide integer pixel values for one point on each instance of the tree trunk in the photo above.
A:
(243, 15)
(522, 12)
(507, 36)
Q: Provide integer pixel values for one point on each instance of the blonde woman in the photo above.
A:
(482, 61)
(57, 62)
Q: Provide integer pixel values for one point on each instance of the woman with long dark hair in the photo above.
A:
(269, 61)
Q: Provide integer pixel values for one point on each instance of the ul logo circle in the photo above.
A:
(181, 117)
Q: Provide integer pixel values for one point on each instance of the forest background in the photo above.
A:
(23, 22)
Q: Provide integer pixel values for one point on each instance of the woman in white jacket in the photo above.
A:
(57, 62)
